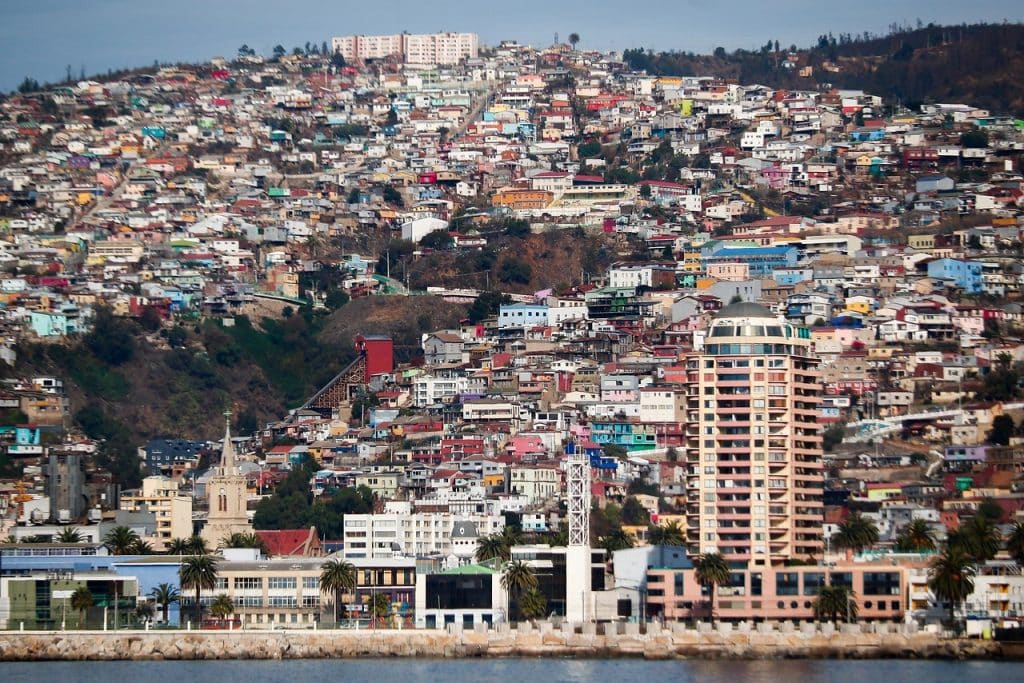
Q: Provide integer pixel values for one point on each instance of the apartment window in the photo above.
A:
(813, 583)
(282, 582)
(282, 601)
(310, 600)
(786, 583)
(248, 583)
(677, 580)
(881, 583)
(311, 582)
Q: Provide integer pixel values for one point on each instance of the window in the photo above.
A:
(282, 601)
(677, 583)
(282, 582)
(311, 582)
(310, 600)
(786, 583)
(248, 583)
(813, 583)
(881, 583)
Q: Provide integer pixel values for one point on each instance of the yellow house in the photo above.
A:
(859, 305)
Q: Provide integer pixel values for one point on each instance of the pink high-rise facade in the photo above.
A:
(753, 445)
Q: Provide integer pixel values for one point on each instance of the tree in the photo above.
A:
(439, 240)
(164, 594)
(835, 601)
(668, 534)
(337, 577)
(222, 606)
(976, 139)
(711, 571)
(380, 606)
(533, 604)
(1015, 543)
(1002, 429)
(354, 195)
(645, 191)
(246, 51)
(241, 539)
(486, 304)
(856, 533)
(120, 540)
(915, 537)
(279, 52)
(618, 539)
(517, 228)
(951, 577)
(198, 573)
(979, 538)
(140, 547)
(197, 545)
(574, 38)
(392, 196)
(69, 535)
(493, 546)
(518, 578)
(515, 271)
(633, 513)
(81, 600)
(178, 546)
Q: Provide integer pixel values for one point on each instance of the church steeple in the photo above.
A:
(227, 454)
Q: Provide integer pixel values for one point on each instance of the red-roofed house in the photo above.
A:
(292, 542)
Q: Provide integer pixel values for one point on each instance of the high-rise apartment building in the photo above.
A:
(422, 48)
(753, 447)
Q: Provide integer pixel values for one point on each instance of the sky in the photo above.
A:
(42, 38)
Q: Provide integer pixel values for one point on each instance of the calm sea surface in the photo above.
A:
(517, 671)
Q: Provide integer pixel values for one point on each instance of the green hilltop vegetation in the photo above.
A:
(977, 64)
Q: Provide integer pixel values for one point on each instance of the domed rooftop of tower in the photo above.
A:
(745, 309)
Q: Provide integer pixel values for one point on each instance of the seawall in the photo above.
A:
(544, 640)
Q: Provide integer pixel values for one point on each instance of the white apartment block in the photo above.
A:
(398, 531)
(422, 48)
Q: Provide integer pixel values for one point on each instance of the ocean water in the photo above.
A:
(517, 671)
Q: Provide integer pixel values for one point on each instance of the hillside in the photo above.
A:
(980, 64)
(128, 384)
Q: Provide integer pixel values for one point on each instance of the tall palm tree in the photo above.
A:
(833, 601)
(916, 537)
(951, 577)
(979, 538)
(518, 578)
(492, 547)
(668, 534)
(1015, 543)
(712, 571)
(574, 38)
(856, 533)
(198, 573)
(164, 594)
(336, 577)
(81, 600)
(179, 546)
(511, 536)
(120, 540)
(222, 606)
(197, 545)
(69, 535)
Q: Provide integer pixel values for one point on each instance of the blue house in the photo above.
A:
(762, 261)
(522, 315)
(963, 274)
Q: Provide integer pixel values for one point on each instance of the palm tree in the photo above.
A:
(222, 607)
(69, 535)
(979, 538)
(511, 536)
(492, 547)
(916, 537)
(1015, 543)
(833, 601)
(164, 594)
(81, 600)
(144, 611)
(120, 540)
(179, 546)
(856, 533)
(244, 540)
(533, 604)
(197, 545)
(712, 571)
(198, 573)
(140, 547)
(951, 577)
(518, 578)
(337, 576)
(573, 39)
(669, 534)
(618, 539)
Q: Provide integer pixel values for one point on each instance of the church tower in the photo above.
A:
(225, 491)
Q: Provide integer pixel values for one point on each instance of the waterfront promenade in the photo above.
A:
(728, 641)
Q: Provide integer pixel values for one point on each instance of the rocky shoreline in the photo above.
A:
(543, 640)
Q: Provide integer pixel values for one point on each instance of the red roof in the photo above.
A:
(291, 542)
